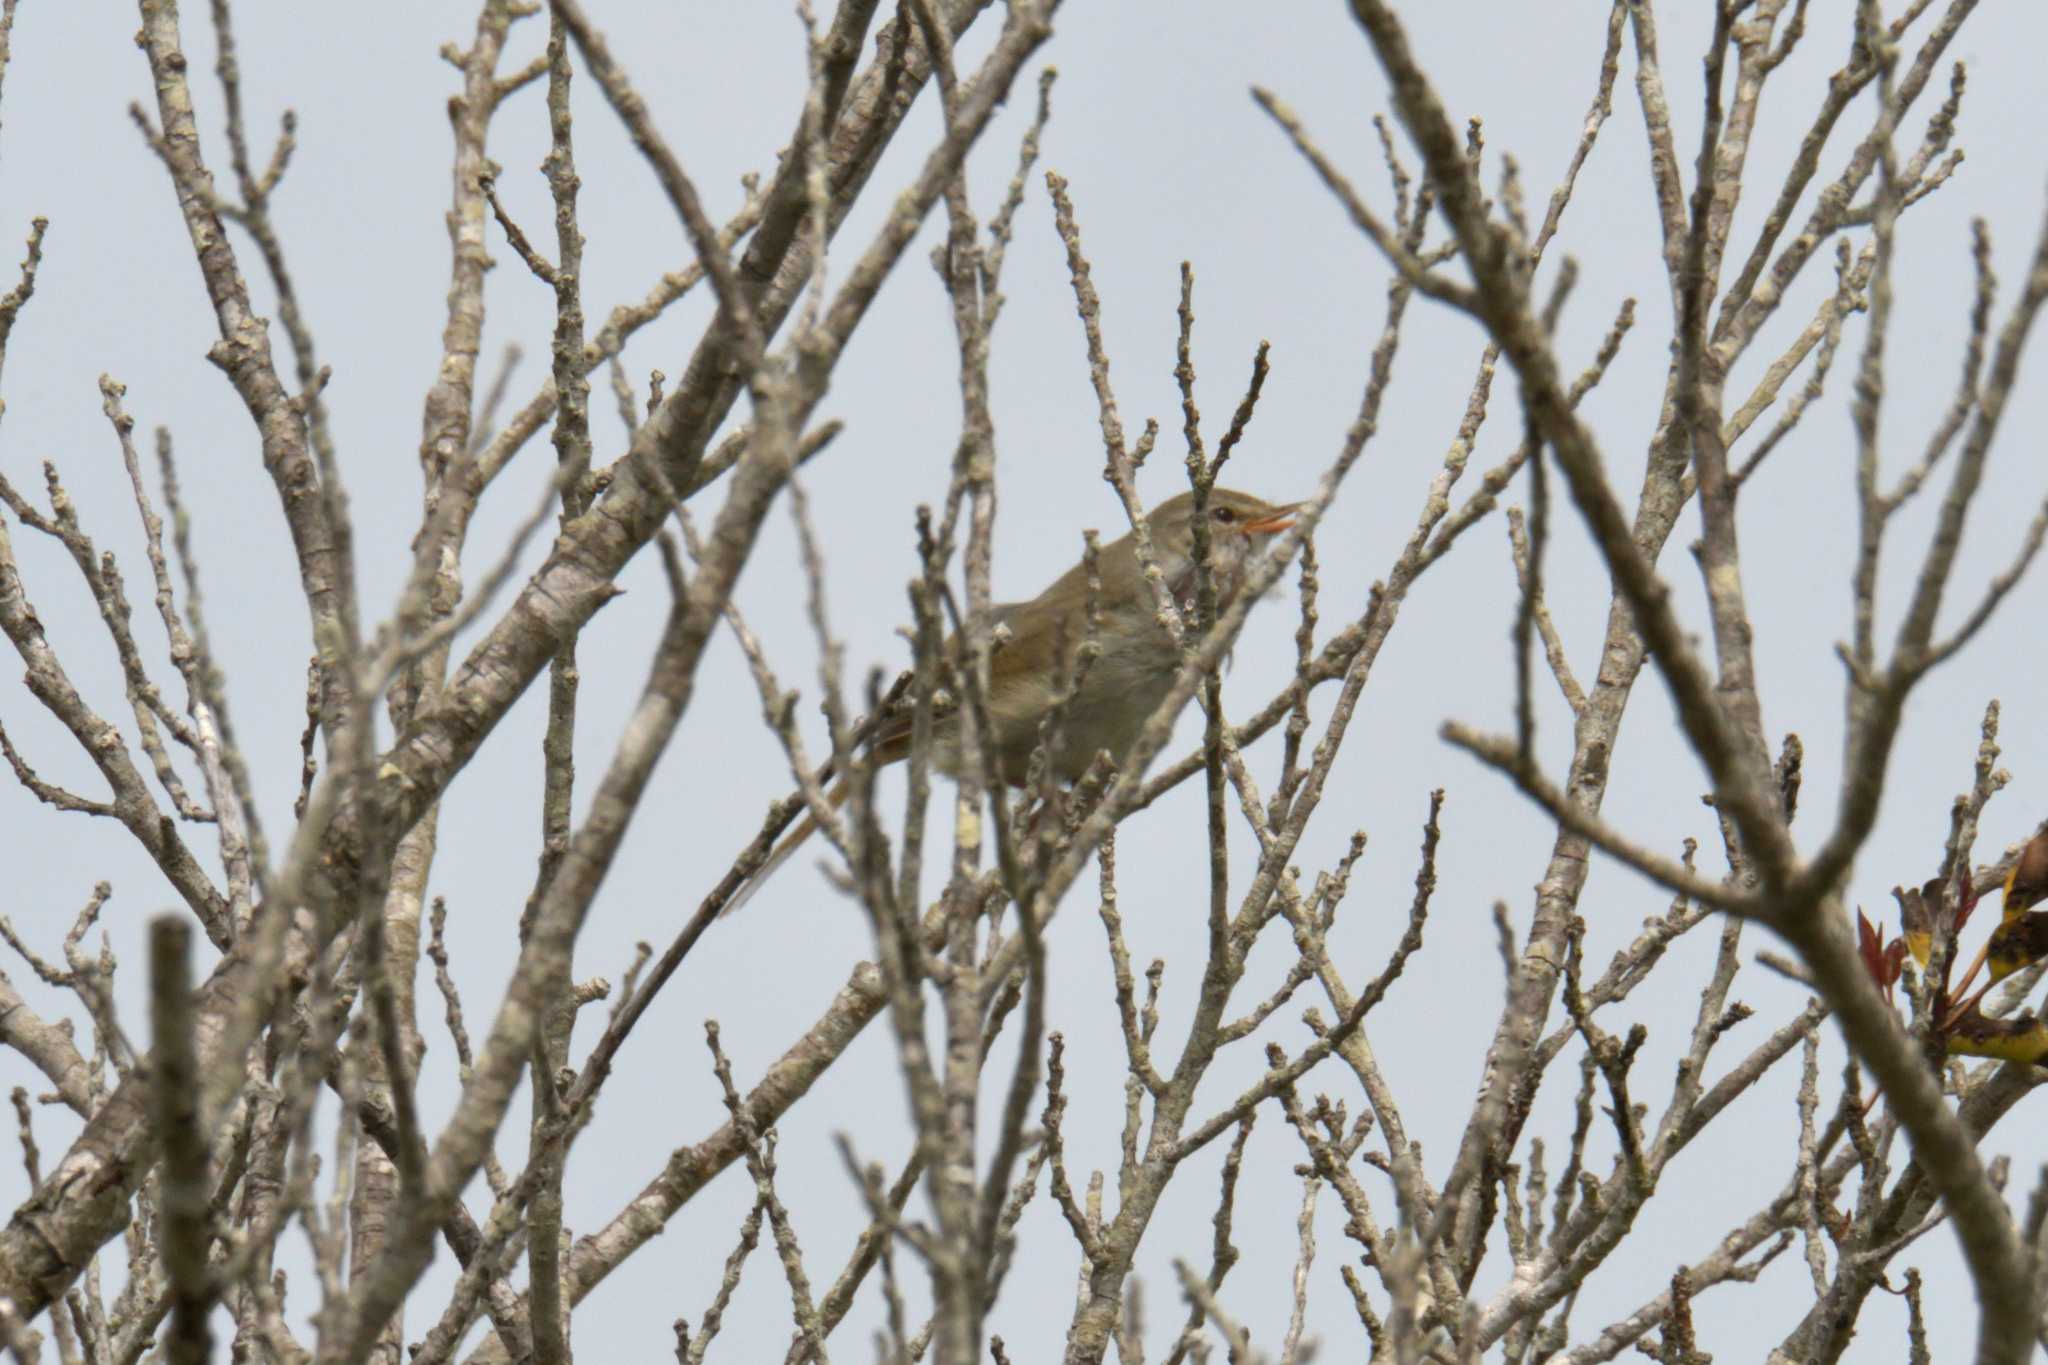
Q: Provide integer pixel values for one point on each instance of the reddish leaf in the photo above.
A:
(1884, 961)
(1869, 946)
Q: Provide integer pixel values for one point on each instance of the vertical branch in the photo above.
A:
(1866, 409)
(6, 37)
(182, 1192)
(431, 596)
(547, 1303)
(960, 1261)
(320, 540)
(1202, 478)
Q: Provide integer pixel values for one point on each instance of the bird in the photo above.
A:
(1131, 674)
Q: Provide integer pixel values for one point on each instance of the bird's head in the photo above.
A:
(1240, 526)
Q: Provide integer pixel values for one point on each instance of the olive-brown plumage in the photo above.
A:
(1130, 675)
(1137, 660)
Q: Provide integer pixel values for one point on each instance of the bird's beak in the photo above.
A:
(1275, 521)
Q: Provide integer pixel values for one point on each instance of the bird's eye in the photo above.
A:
(1224, 515)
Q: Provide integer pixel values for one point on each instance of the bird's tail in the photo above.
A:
(786, 848)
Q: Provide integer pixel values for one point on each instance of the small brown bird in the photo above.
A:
(1130, 676)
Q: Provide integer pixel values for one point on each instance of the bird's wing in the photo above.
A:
(892, 729)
